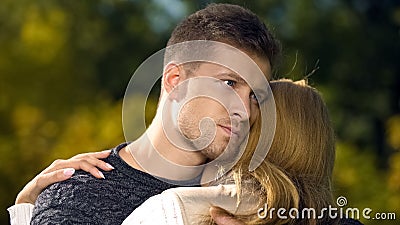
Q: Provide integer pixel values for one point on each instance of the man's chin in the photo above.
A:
(212, 154)
(225, 153)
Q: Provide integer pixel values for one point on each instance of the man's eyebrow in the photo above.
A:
(261, 91)
(235, 76)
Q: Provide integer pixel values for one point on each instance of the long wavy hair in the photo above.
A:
(297, 171)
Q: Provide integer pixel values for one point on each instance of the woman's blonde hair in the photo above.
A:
(298, 168)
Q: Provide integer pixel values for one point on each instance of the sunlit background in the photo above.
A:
(64, 66)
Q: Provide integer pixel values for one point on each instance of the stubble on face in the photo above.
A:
(192, 113)
(189, 120)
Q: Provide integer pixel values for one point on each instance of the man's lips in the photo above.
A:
(229, 130)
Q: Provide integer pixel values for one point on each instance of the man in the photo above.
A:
(84, 199)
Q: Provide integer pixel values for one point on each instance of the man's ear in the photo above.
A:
(171, 76)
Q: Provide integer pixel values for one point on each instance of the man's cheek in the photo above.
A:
(253, 118)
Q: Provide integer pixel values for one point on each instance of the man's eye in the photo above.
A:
(230, 82)
(253, 97)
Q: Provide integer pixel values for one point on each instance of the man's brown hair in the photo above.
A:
(231, 24)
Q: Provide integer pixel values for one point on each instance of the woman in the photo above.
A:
(296, 173)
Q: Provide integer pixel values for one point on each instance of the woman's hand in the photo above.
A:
(222, 217)
(61, 170)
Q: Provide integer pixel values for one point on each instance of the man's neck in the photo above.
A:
(153, 153)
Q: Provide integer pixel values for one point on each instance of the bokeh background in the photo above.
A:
(64, 67)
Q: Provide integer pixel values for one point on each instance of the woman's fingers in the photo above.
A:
(89, 162)
(222, 217)
(98, 155)
(41, 181)
(91, 166)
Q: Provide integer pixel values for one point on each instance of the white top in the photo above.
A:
(20, 214)
(188, 205)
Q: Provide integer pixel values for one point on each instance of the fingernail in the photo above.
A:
(69, 172)
(109, 166)
(101, 175)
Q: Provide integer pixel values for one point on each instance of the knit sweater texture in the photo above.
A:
(84, 199)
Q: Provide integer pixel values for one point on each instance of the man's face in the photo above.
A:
(230, 123)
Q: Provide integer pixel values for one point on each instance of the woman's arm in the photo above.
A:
(190, 205)
(59, 170)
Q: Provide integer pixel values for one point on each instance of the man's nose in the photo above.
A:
(241, 109)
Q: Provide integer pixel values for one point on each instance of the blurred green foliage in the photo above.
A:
(64, 66)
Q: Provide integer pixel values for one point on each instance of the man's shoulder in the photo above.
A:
(86, 199)
(71, 201)
(81, 198)
(79, 189)
(80, 180)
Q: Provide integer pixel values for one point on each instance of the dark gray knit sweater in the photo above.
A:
(84, 199)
